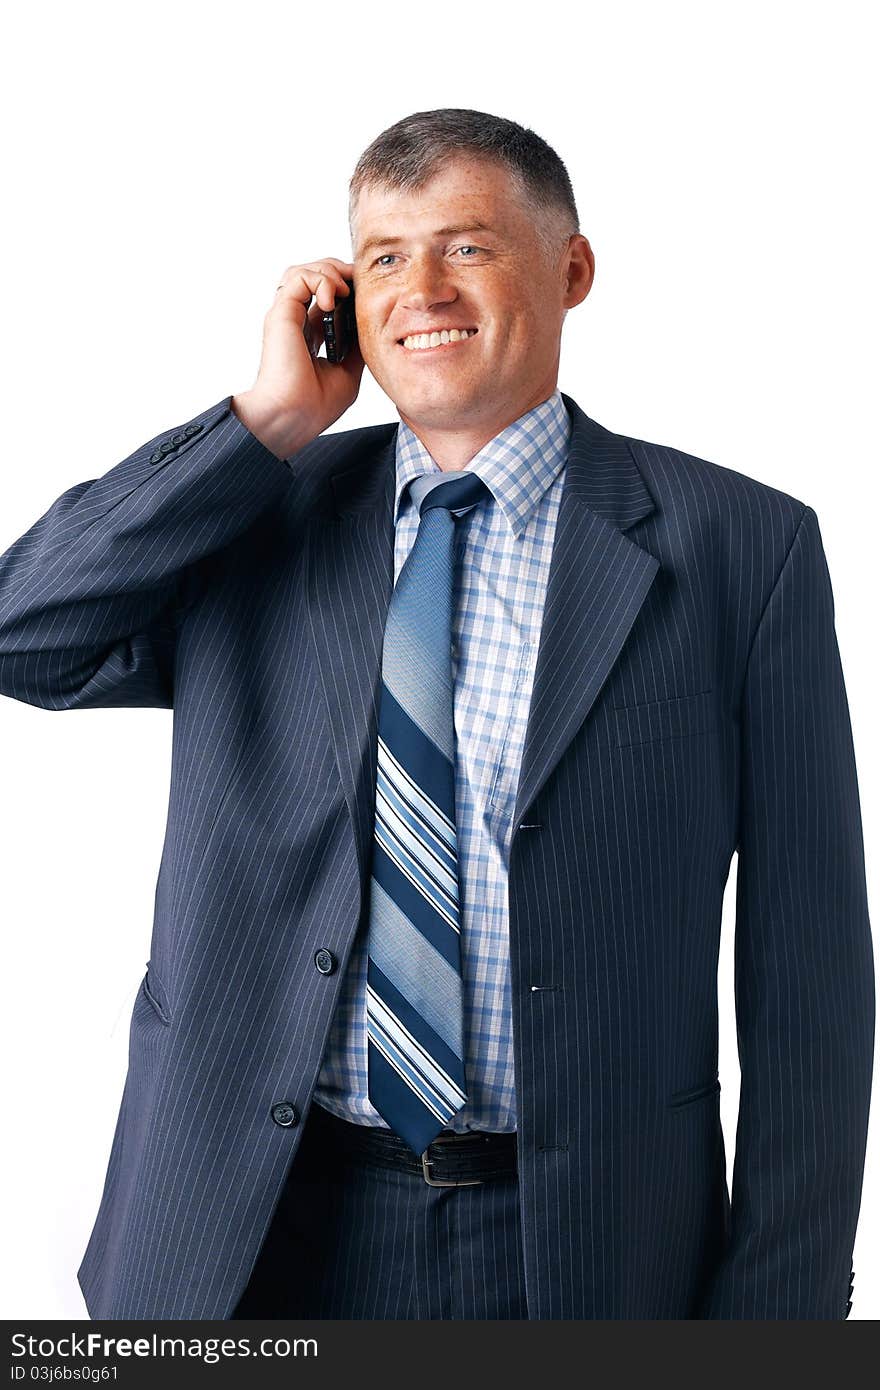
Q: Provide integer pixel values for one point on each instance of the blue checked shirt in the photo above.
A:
(503, 560)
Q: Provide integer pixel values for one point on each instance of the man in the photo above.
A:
(470, 714)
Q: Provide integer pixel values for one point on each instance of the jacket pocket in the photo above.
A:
(693, 1094)
(154, 993)
(682, 716)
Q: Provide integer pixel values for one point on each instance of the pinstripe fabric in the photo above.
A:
(354, 1240)
(504, 563)
(688, 702)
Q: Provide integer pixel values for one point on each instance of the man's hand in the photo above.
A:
(297, 394)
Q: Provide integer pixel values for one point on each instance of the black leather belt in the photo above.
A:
(452, 1160)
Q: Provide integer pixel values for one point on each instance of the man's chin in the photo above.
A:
(442, 409)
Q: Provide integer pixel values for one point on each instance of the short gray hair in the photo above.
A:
(408, 154)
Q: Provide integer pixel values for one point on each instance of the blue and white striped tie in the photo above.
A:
(415, 1017)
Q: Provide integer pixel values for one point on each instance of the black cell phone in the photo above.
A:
(340, 328)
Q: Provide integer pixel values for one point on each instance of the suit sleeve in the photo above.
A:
(90, 596)
(803, 966)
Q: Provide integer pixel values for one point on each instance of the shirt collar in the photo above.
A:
(517, 466)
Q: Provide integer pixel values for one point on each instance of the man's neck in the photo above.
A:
(453, 449)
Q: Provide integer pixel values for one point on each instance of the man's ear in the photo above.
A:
(580, 271)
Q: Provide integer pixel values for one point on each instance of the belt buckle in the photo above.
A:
(445, 1182)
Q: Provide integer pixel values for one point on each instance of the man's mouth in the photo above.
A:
(436, 338)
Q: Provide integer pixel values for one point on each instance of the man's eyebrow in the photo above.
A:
(375, 242)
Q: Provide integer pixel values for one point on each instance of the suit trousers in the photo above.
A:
(350, 1239)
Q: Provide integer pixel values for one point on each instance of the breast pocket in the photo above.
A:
(680, 716)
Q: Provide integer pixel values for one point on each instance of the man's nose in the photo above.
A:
(428, 283)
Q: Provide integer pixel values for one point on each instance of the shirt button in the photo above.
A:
(284, 1114)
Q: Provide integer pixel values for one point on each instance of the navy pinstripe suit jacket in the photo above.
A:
(688, 703)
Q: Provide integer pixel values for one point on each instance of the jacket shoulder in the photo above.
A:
(684, 477)
(729, 511)
(717, 514)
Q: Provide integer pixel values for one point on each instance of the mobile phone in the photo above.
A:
(339, 327)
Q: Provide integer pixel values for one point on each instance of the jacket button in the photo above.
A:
(325, 961)
(157, 457)
(178, 438)
(166, 447)
(193, 429)
(284, 1114)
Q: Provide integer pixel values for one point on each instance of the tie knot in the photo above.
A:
(455, 491)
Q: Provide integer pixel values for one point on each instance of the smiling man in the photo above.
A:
(471, 712)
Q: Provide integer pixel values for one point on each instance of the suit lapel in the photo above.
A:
(349, 578)
(598, 581)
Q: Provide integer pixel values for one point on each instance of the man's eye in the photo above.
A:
(390, 256)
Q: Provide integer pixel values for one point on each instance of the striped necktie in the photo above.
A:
(415, 1017)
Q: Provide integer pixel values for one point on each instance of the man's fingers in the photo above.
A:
(323, 280)
(314, 335)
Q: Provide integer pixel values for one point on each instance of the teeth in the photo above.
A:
(424, 340)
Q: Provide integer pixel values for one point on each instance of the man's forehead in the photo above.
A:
(383, 231)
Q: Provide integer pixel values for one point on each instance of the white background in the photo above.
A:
(163, 164)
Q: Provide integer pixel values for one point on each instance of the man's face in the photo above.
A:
(461, 253)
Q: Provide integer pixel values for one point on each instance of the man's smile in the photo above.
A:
(433, 340)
